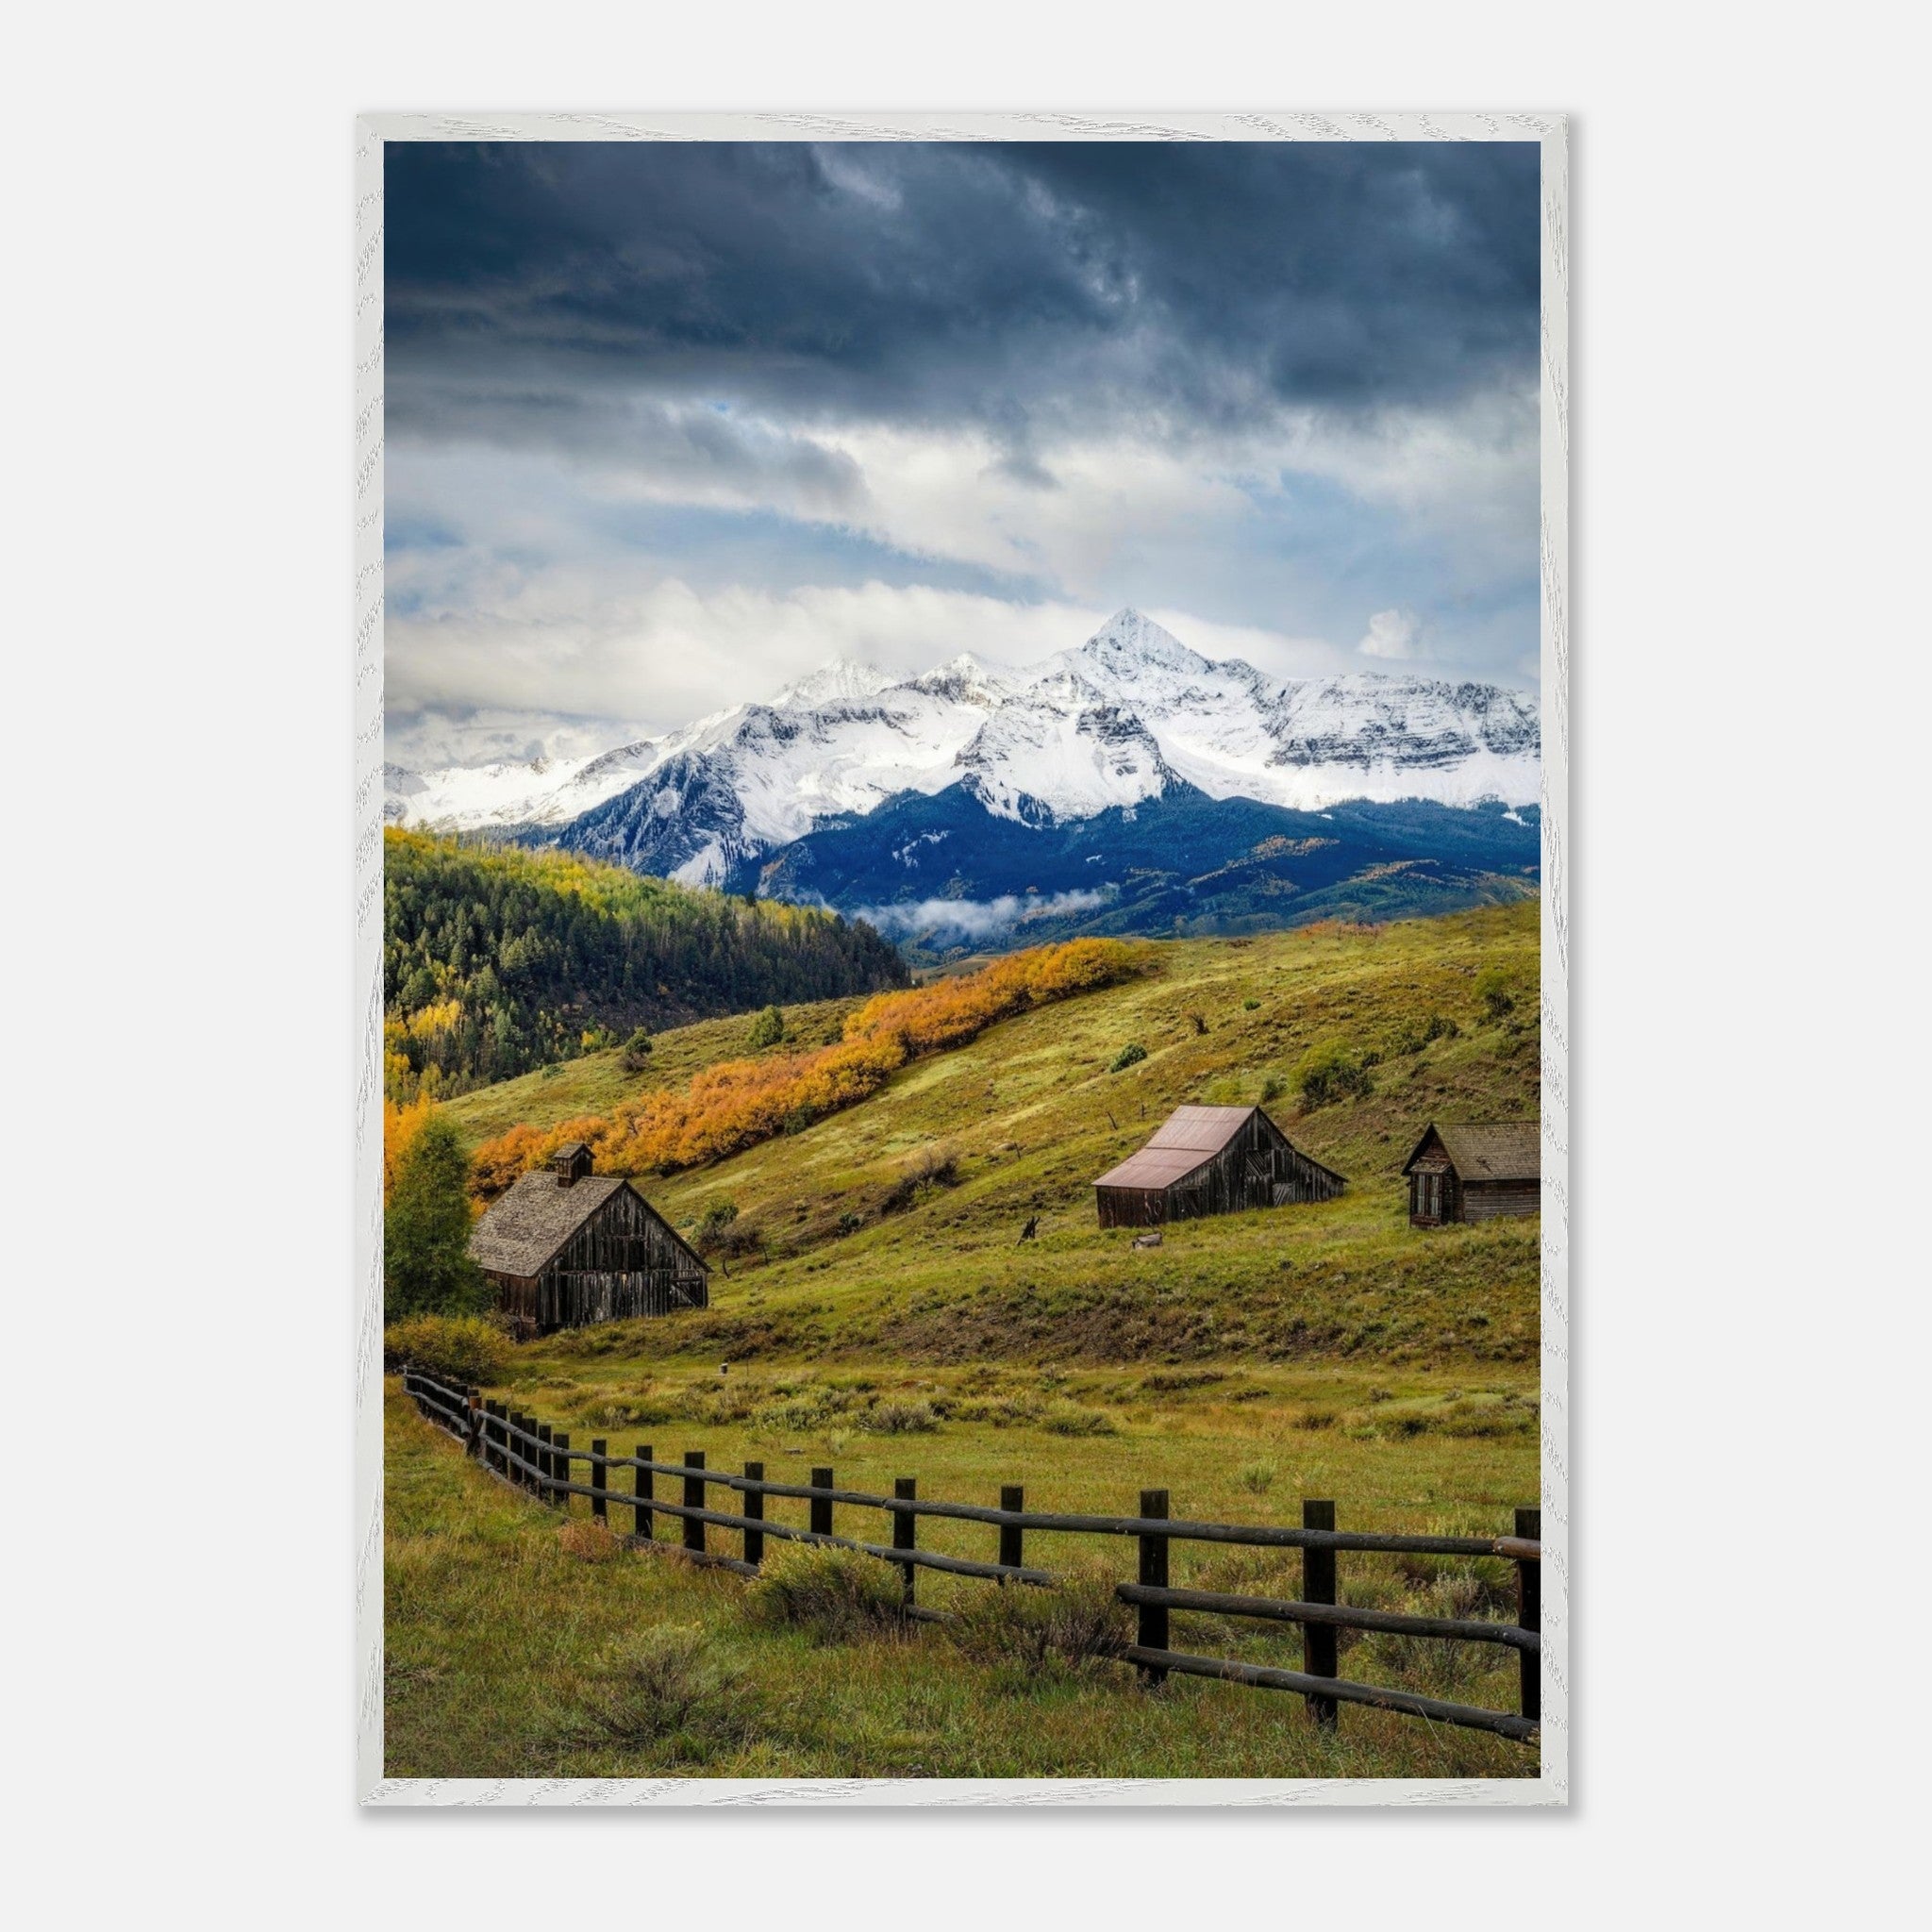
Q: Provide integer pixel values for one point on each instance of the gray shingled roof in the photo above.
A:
(524, 1229)
(1493, 1151)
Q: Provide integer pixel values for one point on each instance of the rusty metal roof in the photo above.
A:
(1491, 1151)
(1189, 1137)
(1204, 1129)
(1154, 1167)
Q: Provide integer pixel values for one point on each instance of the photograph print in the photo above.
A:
(970, 1010)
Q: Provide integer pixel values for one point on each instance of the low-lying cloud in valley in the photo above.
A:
(975, 918)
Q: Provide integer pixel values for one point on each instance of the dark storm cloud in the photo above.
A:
(706, 448)
(1024, 288)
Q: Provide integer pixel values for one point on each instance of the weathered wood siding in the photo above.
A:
(1256, 1169)
(622, 1263)
(1489, 1200)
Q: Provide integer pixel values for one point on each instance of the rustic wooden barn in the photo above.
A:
(1210, 1161)
(566, 1248)
(1475, 1172)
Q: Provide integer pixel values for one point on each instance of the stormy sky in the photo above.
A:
(668, 424)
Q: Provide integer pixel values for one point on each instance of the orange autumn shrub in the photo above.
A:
(737, 1104)
(497, 1164)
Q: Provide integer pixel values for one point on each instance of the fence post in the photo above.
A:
(544, 1467)
(600, 1476)
(821, 1506)
(1317, 1587)
(559, 1470)
(1529, 1615)
(473, 1439)
(755, 1508)
(906, 1536)
(526, 1451)
(643, 1488)
(693, 1499)
(1012, 1537)
(490, 1409)
(1153, 1632)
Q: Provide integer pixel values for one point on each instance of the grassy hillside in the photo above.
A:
(596, 1081)
(892, 1231)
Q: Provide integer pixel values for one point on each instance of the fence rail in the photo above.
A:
(535, 1456)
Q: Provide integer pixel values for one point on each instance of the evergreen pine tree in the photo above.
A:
(427, 1267)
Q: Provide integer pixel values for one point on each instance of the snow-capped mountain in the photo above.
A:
(546, 792)
(1132, 714)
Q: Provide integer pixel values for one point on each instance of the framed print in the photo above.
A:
(961, 856)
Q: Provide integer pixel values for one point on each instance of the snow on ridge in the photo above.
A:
(838, 680)
(1117, 720)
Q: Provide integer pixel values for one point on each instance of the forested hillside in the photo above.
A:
(497, 961)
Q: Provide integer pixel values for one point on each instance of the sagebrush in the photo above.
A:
(834, 1594)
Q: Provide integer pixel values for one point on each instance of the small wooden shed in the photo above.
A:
(566, 1248)
(1475, 1172)
(1210, 1161)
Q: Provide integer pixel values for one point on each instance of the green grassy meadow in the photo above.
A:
(506, 1630)
(881, 1314)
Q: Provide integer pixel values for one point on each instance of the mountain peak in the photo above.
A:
(1127, 636)
(967, 677)
(837, 680)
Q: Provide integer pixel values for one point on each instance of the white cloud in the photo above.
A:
(975, 918)
(428, 740)
(960, 498)
(1391, 634)
(577, 641)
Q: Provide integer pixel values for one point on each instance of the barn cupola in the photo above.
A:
(572, 1162)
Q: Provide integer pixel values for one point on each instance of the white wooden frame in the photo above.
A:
(371, 132)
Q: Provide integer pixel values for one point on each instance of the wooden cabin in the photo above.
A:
(1475, 1172)
(1210, 1161)
(566, 1248)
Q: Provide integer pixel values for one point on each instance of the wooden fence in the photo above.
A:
(536, 1457)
